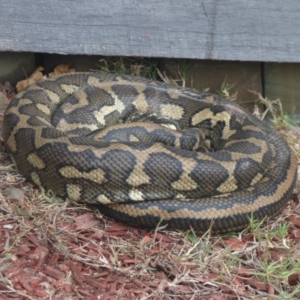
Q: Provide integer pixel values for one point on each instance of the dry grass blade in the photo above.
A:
(274, 107)
(165, 78)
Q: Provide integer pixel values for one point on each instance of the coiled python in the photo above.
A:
(187, 159)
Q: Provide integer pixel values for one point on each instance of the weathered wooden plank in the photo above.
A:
(16, 66)
(282, 81)
(81, 63)
(250, 30)
(202, 75)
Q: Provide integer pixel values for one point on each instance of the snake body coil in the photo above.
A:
(187, 158)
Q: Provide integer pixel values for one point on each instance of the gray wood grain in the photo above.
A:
(249, 30)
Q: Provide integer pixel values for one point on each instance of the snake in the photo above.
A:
(148, 153)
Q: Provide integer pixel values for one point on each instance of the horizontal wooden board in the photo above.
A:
(243, 77)
(282, 82)
(16, 66)
(250, 30)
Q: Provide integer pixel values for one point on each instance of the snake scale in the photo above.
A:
(146, 152)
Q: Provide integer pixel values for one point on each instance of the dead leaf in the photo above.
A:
(15, 193)
(8, 90)
(36, 76)
(62, 69)
(3, 104)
